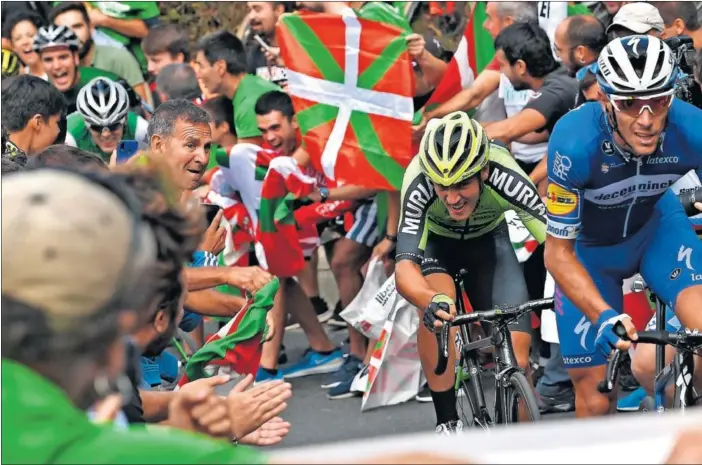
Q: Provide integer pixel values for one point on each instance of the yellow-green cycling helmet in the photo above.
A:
(10, 63)
(453, 149)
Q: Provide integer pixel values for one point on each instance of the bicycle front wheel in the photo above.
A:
(518, 392)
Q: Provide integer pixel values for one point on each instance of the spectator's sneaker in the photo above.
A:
(290, 322)
(334, 379)
(360, 381)
(450, 428)
(262, 376)
(555, 399)
(321, 309)
(424, 394)
(336, 319)
(347, 373)
(282, 355)
(632, 401)
(315, 363)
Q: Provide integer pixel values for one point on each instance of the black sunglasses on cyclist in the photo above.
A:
(111, 128)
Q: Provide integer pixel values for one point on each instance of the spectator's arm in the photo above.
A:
(301, 157)
(351, 193)
(155, 404)
(485, 84)
(514, 127)
(213, 303)
(393, 213)
(540, 171)
(205, 277)
(143, 91)
(136, 28)
(433, 68)
(534, 138)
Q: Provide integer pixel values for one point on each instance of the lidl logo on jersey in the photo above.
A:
(626, 189)
(560, 201)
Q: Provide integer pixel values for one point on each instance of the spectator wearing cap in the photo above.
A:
(31, 113)
(636, 18)
(178, 80)
(117, 60)
(680, 19)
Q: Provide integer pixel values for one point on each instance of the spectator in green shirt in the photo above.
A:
(220, 64)
(114, 59)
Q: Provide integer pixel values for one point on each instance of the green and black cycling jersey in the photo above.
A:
(507, 188)
(78, 134)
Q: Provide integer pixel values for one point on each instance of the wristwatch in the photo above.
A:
(324, 193)
(391, 238)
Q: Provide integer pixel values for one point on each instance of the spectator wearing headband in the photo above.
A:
(636, 18)
(680, 19)
(31, 113)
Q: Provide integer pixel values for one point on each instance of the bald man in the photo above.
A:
(578, 41)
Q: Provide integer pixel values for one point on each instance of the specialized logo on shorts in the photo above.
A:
(685, 255)
(582, 328)
(560, 201)
(561, 166)
(607, 147)
(676, 272)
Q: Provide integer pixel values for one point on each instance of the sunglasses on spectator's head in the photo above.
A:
(582, 72)
(634, 106)
(111, 128)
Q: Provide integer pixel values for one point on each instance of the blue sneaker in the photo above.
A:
(348, 370)
(315, 363)
(632, 402)
(334, 379)
(262, 376)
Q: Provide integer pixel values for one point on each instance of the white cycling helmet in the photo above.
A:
(103, 102)
(637, 65)
(55, 36)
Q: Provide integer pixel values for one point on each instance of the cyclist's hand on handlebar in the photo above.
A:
(698, 206)
(442, 308)
(606, 339)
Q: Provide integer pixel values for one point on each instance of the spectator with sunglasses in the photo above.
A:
(103, 119)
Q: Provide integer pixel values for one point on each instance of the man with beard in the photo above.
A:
(263, 18)
(114, 59)
(58, 49)
(523, 51)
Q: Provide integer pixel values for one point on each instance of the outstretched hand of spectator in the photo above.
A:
(196, 407)
(268, 434)
(249, 409)
(215, 237)
(273, 56)
(249, 278)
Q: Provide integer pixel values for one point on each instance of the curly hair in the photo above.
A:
(177, 226)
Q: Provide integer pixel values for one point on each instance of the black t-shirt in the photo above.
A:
(556, 97)
(257, 64)
(134, 411)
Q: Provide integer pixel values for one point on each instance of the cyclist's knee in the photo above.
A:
(590, 402)
(643, 365)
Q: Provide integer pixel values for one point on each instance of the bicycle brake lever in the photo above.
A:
(442, 342)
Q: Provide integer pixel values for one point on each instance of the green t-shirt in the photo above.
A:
(118, 61)
(249, 90)
(146, 11)
(43, 426)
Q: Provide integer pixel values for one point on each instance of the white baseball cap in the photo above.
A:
(639, 17)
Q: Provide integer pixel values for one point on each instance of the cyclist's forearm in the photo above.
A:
(411, 284)
(205, 277)
(573, 279)
(210, 302)
(393, 212)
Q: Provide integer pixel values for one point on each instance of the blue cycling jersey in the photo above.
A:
(599, 193)
(622, 215)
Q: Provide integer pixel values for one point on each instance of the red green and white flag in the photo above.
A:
(352, 83)
(278, 237)
(238, 343)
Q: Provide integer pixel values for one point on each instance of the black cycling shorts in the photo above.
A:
(494, 276)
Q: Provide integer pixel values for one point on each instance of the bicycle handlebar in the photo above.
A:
(490, 316)
(682, 338)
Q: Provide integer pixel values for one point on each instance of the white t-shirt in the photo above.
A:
(515, 101)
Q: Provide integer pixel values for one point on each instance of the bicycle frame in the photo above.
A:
(505, 365)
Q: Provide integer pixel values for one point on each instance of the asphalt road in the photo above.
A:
(317, 420)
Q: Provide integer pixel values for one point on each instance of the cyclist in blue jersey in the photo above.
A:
(610, 212)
